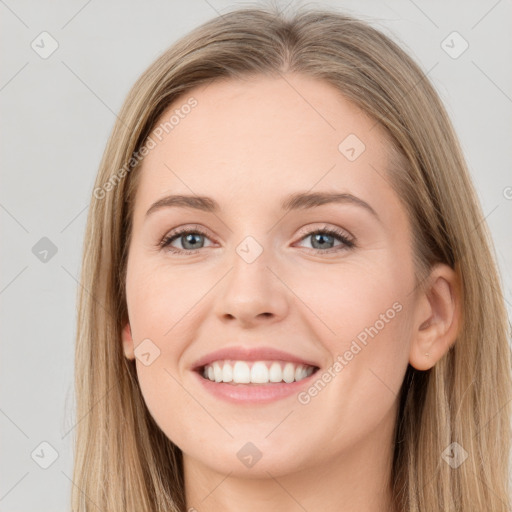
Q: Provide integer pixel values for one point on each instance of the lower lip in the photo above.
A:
(253, 393)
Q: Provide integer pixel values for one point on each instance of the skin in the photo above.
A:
(248, 144)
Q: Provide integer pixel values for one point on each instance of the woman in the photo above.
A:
(289, 295)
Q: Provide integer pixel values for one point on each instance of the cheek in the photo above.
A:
(361, 314)
(161, 310)
(166, 400)
(160, 302)
(351, 299)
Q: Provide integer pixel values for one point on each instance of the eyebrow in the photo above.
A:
(296, 201)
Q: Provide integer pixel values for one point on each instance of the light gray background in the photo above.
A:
(57, 114)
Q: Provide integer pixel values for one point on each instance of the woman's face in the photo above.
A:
(264, 164)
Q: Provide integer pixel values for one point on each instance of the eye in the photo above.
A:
(323, 240)
(190, 239)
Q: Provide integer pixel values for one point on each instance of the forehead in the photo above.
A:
(263, 137)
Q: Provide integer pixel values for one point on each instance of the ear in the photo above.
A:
(437, 318)
(128, 341)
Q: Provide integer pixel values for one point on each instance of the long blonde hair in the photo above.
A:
(123, 461)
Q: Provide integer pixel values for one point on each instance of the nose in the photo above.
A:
(252, 293)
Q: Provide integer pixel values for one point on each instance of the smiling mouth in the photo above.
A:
(255, 372)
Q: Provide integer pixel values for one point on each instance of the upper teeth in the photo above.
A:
(258, 372)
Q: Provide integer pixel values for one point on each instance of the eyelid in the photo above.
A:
(327, 227)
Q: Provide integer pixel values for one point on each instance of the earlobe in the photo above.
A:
(438, 313)
(127, 341)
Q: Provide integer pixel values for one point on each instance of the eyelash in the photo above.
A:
(347, 242)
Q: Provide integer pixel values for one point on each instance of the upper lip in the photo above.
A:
(250, 354)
